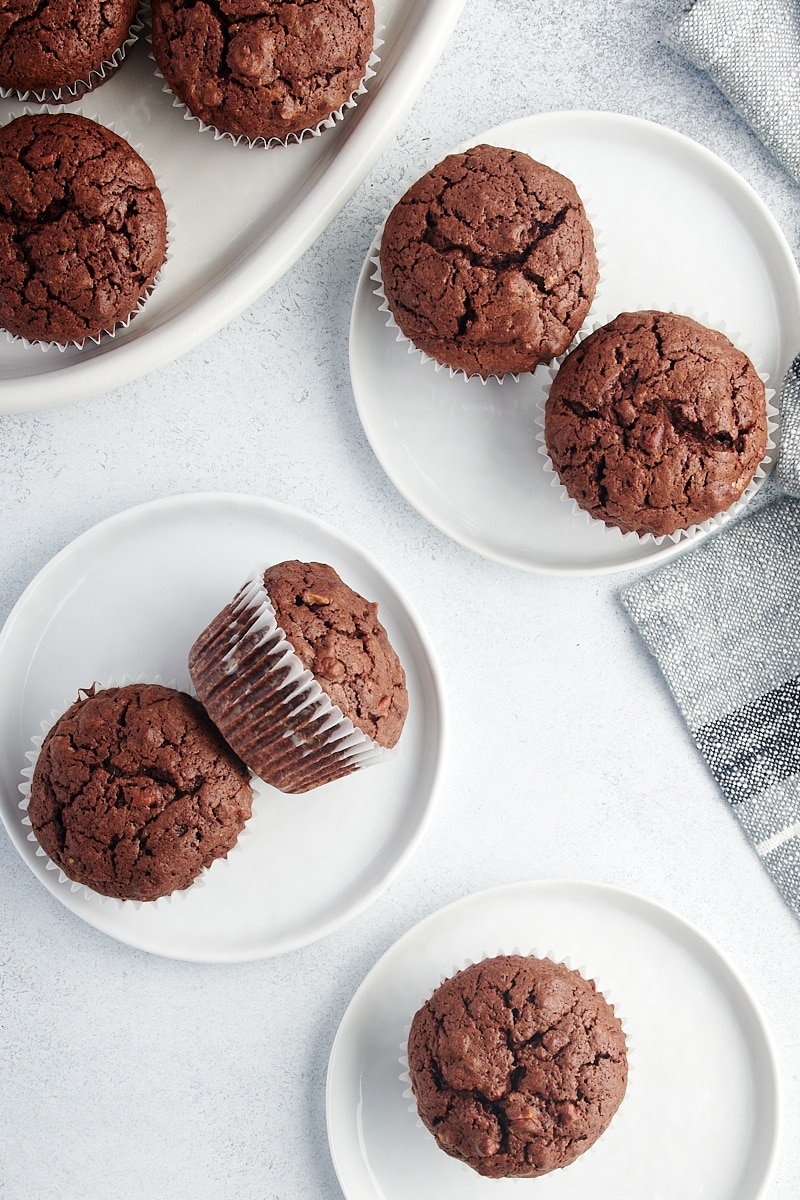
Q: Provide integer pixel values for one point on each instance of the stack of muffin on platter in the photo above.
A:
(83, 224)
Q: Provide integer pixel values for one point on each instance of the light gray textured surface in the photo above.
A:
(127, 1075)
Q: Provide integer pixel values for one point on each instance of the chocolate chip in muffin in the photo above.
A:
(656, 423)
(488, 262)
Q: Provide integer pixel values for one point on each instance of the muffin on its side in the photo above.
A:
(655, 423)
(134, 792)
(263, 70)
(488, 262)
(299, 675)
(83, 228)
(518, 1065)
(57, 44)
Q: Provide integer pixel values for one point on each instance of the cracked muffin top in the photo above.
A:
(263, 68)
(337, 636)
(518, 1065)
(135, 792)
(82, 228)
(488, 262)
(57, 43)
(656, 423)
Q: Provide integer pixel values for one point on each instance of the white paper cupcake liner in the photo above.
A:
(97, 76)
(291, 139)
(119, 326)
(88, 894)
(379, 291)
(530, 952)
(691, 531)
(267, 705)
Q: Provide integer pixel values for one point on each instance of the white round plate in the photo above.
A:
(677, 229)
(700, 1117)
(129, 597)
(239, 218)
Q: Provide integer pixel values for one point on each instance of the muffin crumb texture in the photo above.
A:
(518, 1065)
(50, 44)
(82, 228)
(134, 792)
(265, 69)
(656, 423)
(488, 262)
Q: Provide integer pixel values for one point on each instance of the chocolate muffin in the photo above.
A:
(263, 70)
(518, 1065)
(82, 228)
(135, 792)
(488, 262)
(656, 423)
(57, 44)
(300, 677)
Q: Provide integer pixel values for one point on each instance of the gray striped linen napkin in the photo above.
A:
(723, 622)
(751, 50)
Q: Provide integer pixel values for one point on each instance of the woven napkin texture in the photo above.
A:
(723, 622)
(751, 50)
